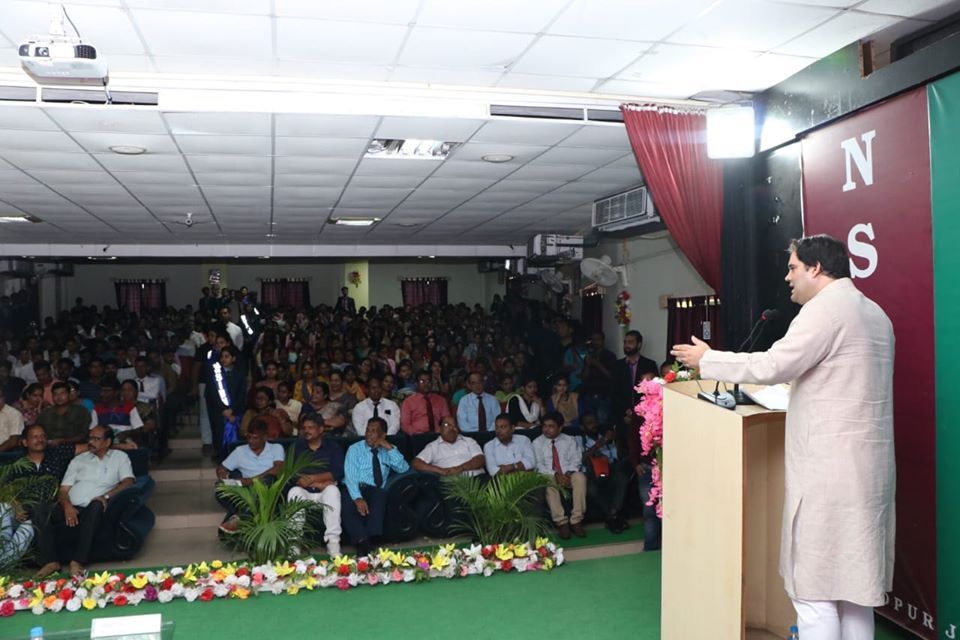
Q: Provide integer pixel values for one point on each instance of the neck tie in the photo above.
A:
(377, 469)
(140, 382)
(557, 467)
(431, 419)
(376, 409)
(481, 413)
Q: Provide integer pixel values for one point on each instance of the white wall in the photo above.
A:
(464, 282)
(94, 282)
(655, 267)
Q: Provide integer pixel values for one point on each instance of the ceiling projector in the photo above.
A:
(62, 60)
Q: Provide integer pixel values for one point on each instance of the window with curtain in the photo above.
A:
(139, 296)
(696, 316)
(417, 291)
(285, 292)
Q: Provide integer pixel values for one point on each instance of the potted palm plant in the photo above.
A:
(272, 527)
(505, 509)
(18, 490)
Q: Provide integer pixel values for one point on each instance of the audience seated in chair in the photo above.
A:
(367, 467)
(91, 479)
(256, 459)
(508, 452)
(559, 455)
(318, 483)
(451, 454)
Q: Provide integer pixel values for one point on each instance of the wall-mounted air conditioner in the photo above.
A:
(628, 210)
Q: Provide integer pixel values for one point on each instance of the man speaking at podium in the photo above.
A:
(837, 538)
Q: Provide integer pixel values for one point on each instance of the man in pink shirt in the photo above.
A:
(422, 411)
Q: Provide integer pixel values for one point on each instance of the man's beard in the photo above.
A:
(630, 352)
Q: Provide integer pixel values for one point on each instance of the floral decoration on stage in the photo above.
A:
(623, 309)
(240, 580)
(650, 409)
(354, 278)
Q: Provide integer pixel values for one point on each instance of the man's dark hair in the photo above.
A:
(57, 386)
(107, 432)
(259, 425)
(827, 251)
(502, 416)
(43, 364)
(379, 422)
(232, 350)
(556, 416)
(636, 334)
(313, 417)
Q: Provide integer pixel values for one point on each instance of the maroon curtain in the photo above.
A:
(137, 296)
(686, 186)
(686, 317)
(417, 291)
(285, 292)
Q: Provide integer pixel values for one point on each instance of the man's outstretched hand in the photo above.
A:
(689, 354)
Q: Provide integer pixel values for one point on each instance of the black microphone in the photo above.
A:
(749, 343)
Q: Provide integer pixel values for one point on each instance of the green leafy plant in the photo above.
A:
(505, 509)
(271, 527)
(18, 488)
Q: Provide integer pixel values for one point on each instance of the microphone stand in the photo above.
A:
(739, 396)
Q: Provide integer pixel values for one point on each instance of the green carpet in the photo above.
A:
(605, 598)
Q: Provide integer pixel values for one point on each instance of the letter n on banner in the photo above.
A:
(866, 181)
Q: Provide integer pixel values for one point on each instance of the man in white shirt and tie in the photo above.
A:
(376, 406)
(560, 456)
(151, 388)
(451, 454)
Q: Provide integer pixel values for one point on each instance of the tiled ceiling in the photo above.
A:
(273, 177)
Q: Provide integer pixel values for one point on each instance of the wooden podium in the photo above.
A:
(723, 498)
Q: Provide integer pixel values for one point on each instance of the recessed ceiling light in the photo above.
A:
(497, 158)
(355, 222)
(412, 149)
(127, 149)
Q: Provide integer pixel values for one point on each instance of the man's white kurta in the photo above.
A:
(837, 540)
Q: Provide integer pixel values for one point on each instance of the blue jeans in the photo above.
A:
(652, 525)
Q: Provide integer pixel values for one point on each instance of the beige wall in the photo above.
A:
(655, 267)
(465, 283)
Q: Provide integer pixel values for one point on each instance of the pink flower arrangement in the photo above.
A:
(209, 581)
(650, 410)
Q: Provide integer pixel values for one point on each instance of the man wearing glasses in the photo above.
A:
(92, 478)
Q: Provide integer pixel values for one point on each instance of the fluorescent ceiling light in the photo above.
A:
(731, 132)
(411, 149)
(6, 219)
(355, 222)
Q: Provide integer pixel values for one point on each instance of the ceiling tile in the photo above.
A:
(315, 179)
(524, 131)
(257, 124)
(215, 34)
(260, 7)
(612, 135)
(50, 160)
(551, 172)
(113, 119)
(393, 12)
(243, 145)
(243, 178)
(396, 167)
(455, 184)
(770, 24)
(330, 70)
(322, 147)
(520, 153)
(626, 19)
(29, 118)
(304, 39)
(328, 126)
(149, 178)
(145, 162)
(445, 129)
(36, 141)
(642, 90)
(558, 55)
(217, 164)
(839, 32)
(303, 165)
(473, 169)
(530, 16)
(214, 65)
(386, 182)
(460, 76)
(484, 50)
(577, 155)
(927, 9)
(107, 27)
(100, 142)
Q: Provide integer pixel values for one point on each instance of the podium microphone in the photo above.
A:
(748, 344)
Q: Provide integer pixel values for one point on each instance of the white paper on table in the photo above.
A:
(141, 627)
(775, 397)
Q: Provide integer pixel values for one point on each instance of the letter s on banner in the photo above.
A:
(863, 250)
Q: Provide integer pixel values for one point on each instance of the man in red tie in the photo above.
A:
(422, 411)
(560, 455)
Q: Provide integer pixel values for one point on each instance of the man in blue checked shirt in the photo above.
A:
(477, 410)
(367, 466)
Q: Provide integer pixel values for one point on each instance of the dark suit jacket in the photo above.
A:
(624, 396)
(345, 305)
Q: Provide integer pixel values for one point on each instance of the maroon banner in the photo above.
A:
(866, 180)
